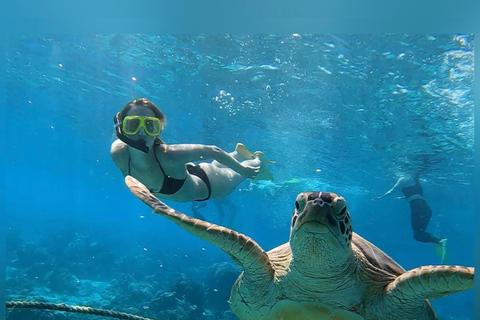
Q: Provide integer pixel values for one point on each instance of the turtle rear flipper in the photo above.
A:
(245, 251)
(431, 282)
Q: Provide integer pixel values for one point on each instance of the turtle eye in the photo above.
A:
(300, 202)
(339, 207)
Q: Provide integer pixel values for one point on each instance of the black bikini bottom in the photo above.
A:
(196, 170)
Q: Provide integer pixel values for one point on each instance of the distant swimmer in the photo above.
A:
(168, 170)
(421, 213)
(220, 206)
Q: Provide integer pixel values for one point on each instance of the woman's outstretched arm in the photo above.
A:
(185, 153)
(399, 182)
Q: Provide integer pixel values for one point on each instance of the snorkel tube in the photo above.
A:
(139, 144)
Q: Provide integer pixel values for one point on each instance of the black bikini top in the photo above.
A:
(170, 185)
(412, 190)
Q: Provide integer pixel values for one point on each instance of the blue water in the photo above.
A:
(339, 113)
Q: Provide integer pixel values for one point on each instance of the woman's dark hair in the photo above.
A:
(147, 104)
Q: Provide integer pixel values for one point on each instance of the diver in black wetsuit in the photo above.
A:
(421, 213)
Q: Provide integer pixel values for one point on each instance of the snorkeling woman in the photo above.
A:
(168, 169)
(421, 213)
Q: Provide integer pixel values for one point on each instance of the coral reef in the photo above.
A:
(219, 280)
(74, 267)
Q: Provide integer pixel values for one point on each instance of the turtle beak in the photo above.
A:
(317, 217)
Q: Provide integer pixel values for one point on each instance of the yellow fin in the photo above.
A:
(243, 151)
(264, 173)
(293, 181)
(441, 251)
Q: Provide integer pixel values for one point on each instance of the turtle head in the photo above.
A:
(321, 227)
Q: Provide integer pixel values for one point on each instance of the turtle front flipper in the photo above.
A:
(241, 248)
(431, 282)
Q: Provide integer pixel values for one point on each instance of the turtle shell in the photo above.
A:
(379, 261)
(382, 264)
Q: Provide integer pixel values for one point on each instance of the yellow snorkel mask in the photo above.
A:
(131, 125)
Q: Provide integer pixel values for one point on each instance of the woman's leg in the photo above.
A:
(224, 180)
(220, 204)
(240, 153)
(421, 215)
(196, 213)
(245, 157)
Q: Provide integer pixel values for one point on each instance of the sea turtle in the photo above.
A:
(325, 271)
